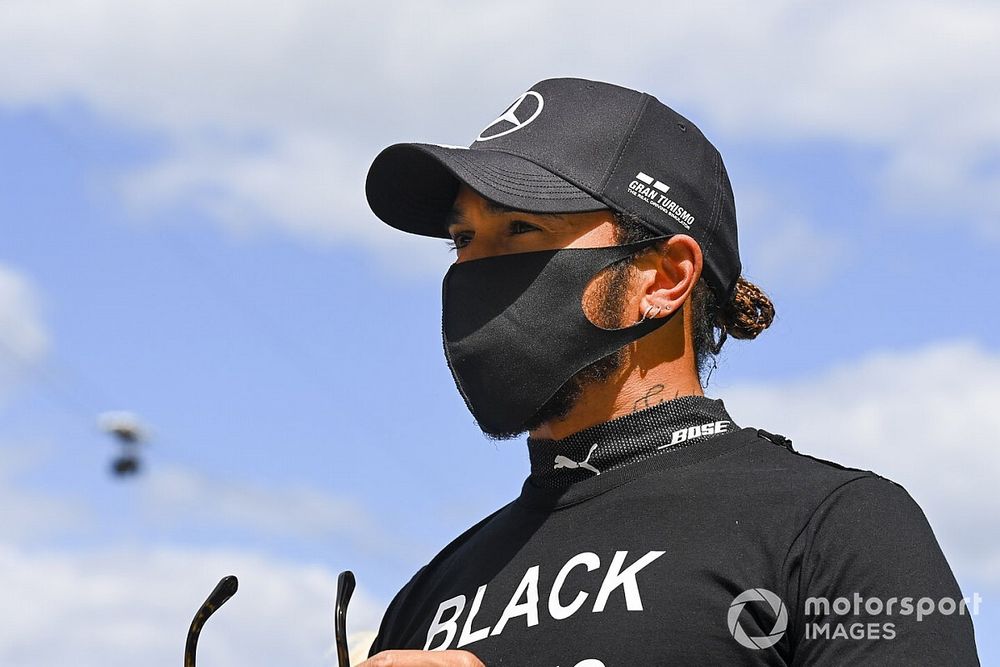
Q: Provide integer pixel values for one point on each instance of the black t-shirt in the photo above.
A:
(678, 538)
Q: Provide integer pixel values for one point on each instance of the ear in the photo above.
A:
(667, 276)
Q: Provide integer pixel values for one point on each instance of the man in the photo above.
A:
(597, 275)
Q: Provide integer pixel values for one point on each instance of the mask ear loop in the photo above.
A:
(651, 310)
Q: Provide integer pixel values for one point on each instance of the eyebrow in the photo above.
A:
(456, 217)
(496, 207)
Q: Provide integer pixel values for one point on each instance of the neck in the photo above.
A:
(642, 382)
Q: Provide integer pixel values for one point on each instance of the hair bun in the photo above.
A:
(748, 312)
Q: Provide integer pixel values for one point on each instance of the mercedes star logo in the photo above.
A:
(524, 110)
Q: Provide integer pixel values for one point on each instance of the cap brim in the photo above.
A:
(412, 186)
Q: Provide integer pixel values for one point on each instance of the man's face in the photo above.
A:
(480, 228)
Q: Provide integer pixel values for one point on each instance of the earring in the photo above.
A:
(650, 312)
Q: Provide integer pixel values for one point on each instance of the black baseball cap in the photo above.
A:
(570, 146)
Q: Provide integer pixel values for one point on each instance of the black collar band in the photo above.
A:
(664, 427)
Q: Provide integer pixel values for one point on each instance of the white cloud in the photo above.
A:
(26, 515)
(24, 339)
(177, 494)
(924, 418)
(133, 607)
(307, 185)
(125, 605)
(273, 111)
(784, 248)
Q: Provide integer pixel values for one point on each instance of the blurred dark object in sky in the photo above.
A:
(127, 430)
(125, 465)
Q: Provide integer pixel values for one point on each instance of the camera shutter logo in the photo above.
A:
(780, 622)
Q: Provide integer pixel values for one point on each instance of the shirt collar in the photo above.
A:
(625, 440)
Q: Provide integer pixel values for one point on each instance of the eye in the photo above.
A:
(522, 227)
(459, 240)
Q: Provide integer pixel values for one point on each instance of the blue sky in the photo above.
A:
(185, 236)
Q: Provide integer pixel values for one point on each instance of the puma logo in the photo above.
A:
(566, 462)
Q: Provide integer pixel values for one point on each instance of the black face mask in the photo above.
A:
(515, 331)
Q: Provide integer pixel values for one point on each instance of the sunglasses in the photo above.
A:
(226, 588)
